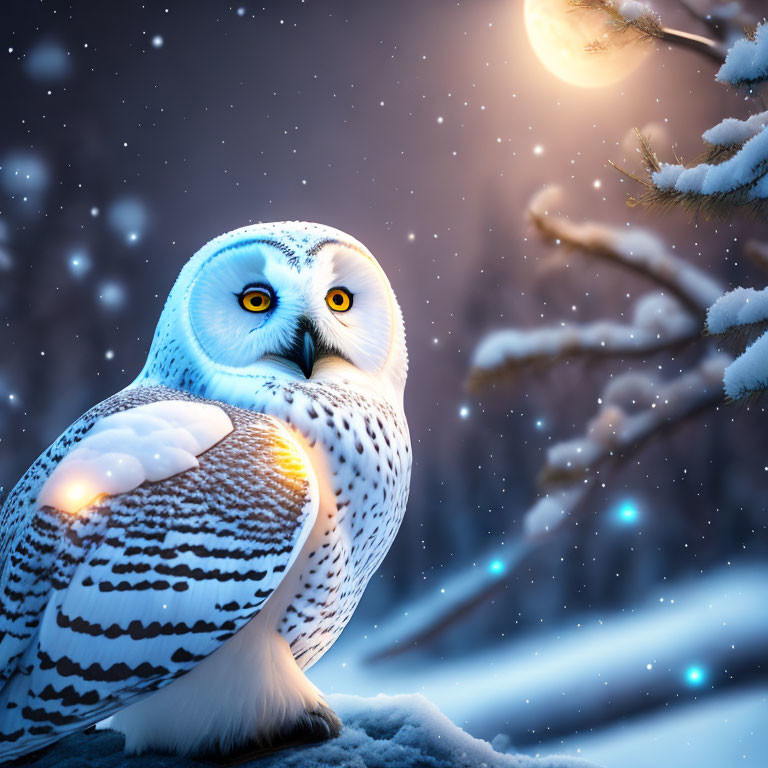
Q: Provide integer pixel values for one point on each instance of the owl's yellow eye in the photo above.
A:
(255, 299)
(339, 299)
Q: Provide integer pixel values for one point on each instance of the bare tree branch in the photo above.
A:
(757, 252)
(720, 19)
(639, 252)
(505, 355)
(710, 49)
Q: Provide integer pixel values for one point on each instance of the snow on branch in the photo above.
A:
(660, 323)
(740, 316)
(737, 309)
(747, 61)
(732, 132)
(717, 189)
(637, 250)
(634, 409)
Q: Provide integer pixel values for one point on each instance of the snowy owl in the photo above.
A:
(187, 548)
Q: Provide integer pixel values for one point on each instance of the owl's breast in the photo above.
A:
(360, 449)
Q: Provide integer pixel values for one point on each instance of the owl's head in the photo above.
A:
(290, 300)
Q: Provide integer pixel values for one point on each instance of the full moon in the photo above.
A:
(578, 45)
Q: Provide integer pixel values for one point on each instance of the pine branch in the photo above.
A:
(718, 206)
(666, 323)
(715, 154)
(650, 160)
(649, 27)
(736, 339)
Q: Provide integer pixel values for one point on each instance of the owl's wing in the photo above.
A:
(207, 508)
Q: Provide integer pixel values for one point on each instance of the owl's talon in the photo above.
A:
(321, 724)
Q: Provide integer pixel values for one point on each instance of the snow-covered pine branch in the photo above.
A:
(746, 64)
(625, 14)
(740, 316)
(661, 321)
(733, 174)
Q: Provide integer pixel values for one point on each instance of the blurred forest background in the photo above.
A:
(133, 133)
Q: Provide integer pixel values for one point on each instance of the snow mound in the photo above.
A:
(404, 731)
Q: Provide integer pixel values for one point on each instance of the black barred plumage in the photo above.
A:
(98, 542)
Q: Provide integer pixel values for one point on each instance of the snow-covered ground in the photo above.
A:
(652, 685)
(384, 732)
(684, 643)
(724, 732)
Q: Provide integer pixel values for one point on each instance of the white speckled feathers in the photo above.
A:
(256, 543)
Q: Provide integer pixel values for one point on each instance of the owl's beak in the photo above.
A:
(303, 351)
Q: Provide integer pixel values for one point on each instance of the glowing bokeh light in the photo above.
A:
(694, 675)
(496, 566)
(628, 513)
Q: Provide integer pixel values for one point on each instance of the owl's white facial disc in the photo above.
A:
(227, 332)
(364, 332)
(298, 299)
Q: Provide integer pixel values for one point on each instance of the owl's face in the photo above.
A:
(292, 300)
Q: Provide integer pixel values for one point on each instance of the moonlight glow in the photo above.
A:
(578, 46)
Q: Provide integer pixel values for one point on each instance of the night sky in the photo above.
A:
(421, 128)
